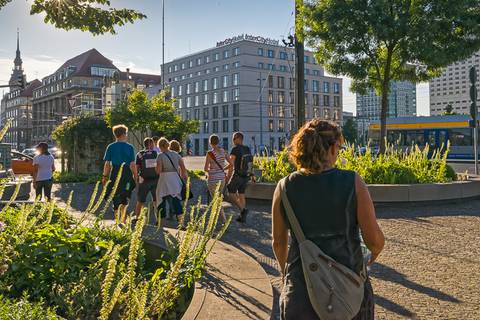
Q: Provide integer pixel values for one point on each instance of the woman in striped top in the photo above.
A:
(215, 165)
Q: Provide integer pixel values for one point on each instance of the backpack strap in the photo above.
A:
(297, 230)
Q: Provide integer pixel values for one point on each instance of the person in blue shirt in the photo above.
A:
(117, 154)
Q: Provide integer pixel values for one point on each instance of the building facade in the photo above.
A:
(453, 87)
(16, 106)
(88, 82)
(247, 84)
(402, 102)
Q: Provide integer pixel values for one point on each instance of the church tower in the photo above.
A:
(18, 79)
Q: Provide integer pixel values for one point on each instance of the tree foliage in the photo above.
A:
(375, 42)
(349, 130)
(94, 16)
(448, 110)
(156, 115)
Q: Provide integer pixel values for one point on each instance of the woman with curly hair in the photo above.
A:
(332, 206)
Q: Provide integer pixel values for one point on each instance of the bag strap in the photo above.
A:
(176, 169)
(212, 155)
(297, 230)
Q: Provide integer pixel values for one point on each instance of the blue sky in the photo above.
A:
(190, 25)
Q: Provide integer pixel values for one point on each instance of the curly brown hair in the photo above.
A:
(310, 145)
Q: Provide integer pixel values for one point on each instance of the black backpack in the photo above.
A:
(149, 161)
(246, 163)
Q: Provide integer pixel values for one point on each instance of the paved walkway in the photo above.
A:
(429, 269)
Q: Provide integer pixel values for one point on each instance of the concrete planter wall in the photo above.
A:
(395, 193)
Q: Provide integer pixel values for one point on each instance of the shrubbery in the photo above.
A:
(70, 177)
(410, 166)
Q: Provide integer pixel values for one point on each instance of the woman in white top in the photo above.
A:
(170, 168)
(215, 165)
(43, 168)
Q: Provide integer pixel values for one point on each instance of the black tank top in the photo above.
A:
(326, 208)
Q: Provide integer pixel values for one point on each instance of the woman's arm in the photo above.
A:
(206, 167)
(159, 168)
(279, 232)
(371, 232)
(183, 169)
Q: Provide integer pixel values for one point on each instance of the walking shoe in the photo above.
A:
(243, 216)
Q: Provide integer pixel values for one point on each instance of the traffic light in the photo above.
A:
(473, 93)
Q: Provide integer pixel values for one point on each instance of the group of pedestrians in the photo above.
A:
(159, 170)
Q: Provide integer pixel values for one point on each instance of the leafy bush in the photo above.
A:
(22, 309)
(92, 271)
(196, 174)
(70, 177)
(411, 166)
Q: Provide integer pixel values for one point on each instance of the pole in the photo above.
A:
(299, 67)
(474, 113)
(163, 44)
(475, 145)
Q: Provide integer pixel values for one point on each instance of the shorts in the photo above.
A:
(238, 184)
(212, 186)
(146, 187)
(121, 198)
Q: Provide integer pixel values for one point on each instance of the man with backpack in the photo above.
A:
(242, 158)
(146, 162)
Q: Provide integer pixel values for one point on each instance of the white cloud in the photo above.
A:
(124, 64)
(37, 66)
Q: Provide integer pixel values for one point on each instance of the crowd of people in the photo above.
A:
(159, 170)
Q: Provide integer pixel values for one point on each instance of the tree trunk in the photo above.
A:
(384, 109)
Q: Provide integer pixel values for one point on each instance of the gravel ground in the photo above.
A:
(429, 268)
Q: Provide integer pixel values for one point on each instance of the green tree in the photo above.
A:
(156, 115)
(448, 110)
(94, 16)
(349, 130)
(376, 42)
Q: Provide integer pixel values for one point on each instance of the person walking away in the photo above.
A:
(171, 170)
(215, 169)
(331, 207)
(43, 168)
(146, 161)
(175, 146)
(155, 144)
(242, 160)
(117, 154)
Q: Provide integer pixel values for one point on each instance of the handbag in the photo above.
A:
(335, 291)
(183, 193)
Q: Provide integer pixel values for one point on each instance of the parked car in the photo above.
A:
(31, 152)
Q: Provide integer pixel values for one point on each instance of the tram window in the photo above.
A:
(396, 138)
(415, 137)
(460, 137)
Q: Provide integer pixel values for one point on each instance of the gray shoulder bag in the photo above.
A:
(335, 291)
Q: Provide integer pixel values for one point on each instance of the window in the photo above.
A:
(180, 90)
(236, 64)
(196, 114)
(306, 59)
(281, 82)
(189, 88)
(270, 125)
(236, 94)
(260, 51)
(281, 97)
(215, 98)
(205, 127)
(205, 85)
(170, 69)
(236, 125)
(197, 101)
(316, 112)
(281, 111)
(235, 79)
(270, 81)
(180, 103)
(316, 100)
(270, 96)
(197, 87)
(283, 68)
(207, 71)
(326, 87)
(225, 96)
(225, 125)
(226, 66)
(216, 56)
(316, 85)
(271, 54)
(336, 87)
(225, 111)
(224, 81)
(99, 71)
(183, 65)
(271, 67)
(215, 83)
(336, 101)
(236, 110)
(260, 65)
(283, 55)
(316, 73)
(225, 143)
(236, 51)
(281, 125)
(190, 63)
(205, 114)
(216, 69)
(199, 61)
(214, 126)
(306, 98)
(326, 101)
(173, 91)
(226, 54)
(189, 102)
(205, 99)
(215, 112)
(305, 83)
(270, 111)
(326, 113)
(207, 59)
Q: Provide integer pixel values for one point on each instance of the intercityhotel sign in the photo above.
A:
(248, 37)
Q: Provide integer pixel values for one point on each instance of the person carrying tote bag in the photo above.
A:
(325, 209)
